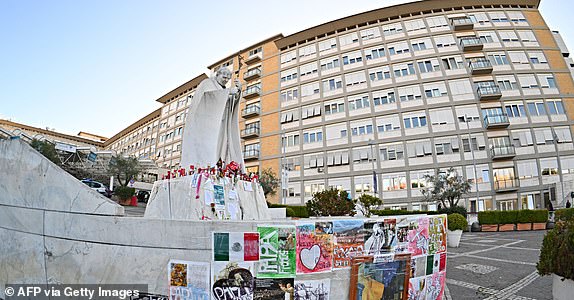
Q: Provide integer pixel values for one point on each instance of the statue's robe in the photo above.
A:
(212, 127)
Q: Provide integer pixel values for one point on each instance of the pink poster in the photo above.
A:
(435, 286)
(314, 249)
(418, 236)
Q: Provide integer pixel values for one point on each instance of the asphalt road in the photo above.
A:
(498, 265)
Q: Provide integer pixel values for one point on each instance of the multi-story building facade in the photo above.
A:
(400, 92)
(406, 90)
(28, 133)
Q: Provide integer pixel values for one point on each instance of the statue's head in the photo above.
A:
(222, 76)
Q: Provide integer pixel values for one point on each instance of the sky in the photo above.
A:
(99, 66)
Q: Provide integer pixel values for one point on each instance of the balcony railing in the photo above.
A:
(251, 111)
(251, 154)
(254, 58)
(496, 121)
(502, 152)
(252, 74)
(505, 185)
(464, 23)
(480, 66)
(250, 132)
(489, 92)
(471, 44)
(251, 92)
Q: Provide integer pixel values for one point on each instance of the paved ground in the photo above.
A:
(498, 265)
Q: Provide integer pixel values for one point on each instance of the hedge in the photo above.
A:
(532, 216)
(488, 217)
(564, 214)
(494, 217)
(396, 212)
(294, 211)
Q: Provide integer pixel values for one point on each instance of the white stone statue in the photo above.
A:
(212, 126)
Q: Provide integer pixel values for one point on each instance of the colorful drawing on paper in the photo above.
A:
(232, 280)
(402, 225)
(433, 263)
(418, 266)
(188, 280)
(274, 288)
(435, 286)
(385, 279)
(348, 241)
(380, 236)
(312, 289)
(418, 236)
(437, 234)
(417, 288)
(219, 196)
(277, 252)
(235, 246)
(314, 251)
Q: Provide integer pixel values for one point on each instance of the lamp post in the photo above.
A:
(555, 140)
(473, 159)
(371, 144)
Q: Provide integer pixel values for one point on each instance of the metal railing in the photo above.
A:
(252, 73)
(251, 110)
(250, 131)
(489, 91)
(496, 120)
(471, 41)
(506, 184)
(503, 151)
(480, 64)
(253, 153)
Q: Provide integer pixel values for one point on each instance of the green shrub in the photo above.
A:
(366, 203)
(488, 217)
(525, 216)
(395, 212)
(564, 214)
(451, 210)
(290, 212)
(457, 222)
(299, 211)
(507, 217)
(557, 253)
(540, 216)
(124, 192)
(331, 203)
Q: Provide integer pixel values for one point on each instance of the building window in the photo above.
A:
(332, 84)
(375, 53)
(381, 98)
(312, 137)
(359, 103)
(333, 108)
(414, 122)
(330, 63)
(404, 70)
(392, 152)
(255, 51)
(555, 107)
(289, 95)
(362, 130)
(536, 108)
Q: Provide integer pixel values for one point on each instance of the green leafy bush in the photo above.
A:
(289, 212)
(457, 222)
(366, 203)
(124, 192)
(395, 212)
(507, 216)
(451, 210)
(331, 203)
(532, 216)
(488, 217)
(557, 253)
(564, 214)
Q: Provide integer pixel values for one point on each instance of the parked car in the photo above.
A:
(98, 187)
(143, 196)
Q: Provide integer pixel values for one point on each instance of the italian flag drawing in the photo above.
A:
(235, 246)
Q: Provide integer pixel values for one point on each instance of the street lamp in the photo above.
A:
(371, 144)
(467, 121)
(555, 140)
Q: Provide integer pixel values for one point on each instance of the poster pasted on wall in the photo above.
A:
(232, 280)
(277, 252)
(418, 236)
(188, 280)
(314, 248)
(235, 246)
(380, 236)
(348, 241)
(437, 234)
(274, 288)
(383, 278)
(312, 289)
